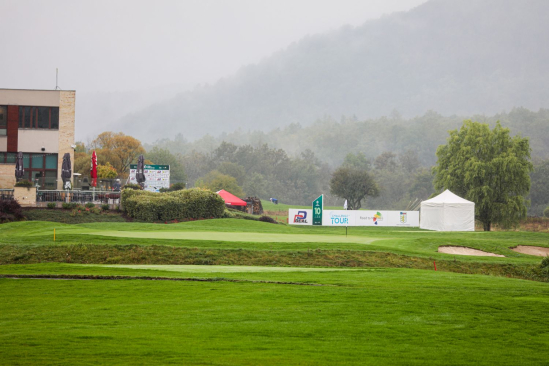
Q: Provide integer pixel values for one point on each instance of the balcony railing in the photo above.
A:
(97, 197)
(6, 194)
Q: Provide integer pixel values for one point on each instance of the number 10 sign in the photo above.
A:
(318, 206)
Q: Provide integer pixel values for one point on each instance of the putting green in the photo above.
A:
(217, 269)
(240, 237)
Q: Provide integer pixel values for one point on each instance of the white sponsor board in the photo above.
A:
(299, 216)
(387, 218)
(338, 218)
(357, 218)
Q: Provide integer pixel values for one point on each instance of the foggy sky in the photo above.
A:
(108, 45)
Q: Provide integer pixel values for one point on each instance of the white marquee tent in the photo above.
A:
(447, 212)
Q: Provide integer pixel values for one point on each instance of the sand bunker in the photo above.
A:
(525, 249)
(466, 251)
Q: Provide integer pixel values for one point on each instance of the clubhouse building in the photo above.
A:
(39, 123)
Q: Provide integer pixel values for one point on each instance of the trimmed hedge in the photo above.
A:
(194, 203)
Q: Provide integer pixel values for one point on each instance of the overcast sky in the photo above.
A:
(119, 45)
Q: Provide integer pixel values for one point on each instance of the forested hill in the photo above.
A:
(455, 57)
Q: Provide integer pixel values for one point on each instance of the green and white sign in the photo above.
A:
(318, 207)
(156, 176)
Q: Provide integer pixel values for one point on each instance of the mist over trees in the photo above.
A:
(454, 57)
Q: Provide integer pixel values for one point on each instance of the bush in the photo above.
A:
(105, 207)
(66, 206)
(24, 183)
(546, 212)
(173, 187)
(51, 205)
(267, 219)
(10, 210)
(544, 268)
(89, 205)
(134, 186)
(192, 203)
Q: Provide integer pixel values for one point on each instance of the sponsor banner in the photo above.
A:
(387, 218)
(338, 218)
(356, 218)
(300, 216)
(156, 176)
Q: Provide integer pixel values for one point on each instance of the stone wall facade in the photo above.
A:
(66, 131)
(26, 197)
(7, 176)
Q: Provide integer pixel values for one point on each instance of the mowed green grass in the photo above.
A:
(253, 235)
(374, 316)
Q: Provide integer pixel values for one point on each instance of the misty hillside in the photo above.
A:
(455, 57)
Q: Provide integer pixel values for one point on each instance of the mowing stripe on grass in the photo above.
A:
(216, 269)
(239, 237)
(147, 278)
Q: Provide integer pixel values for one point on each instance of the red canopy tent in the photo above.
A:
(231, 199)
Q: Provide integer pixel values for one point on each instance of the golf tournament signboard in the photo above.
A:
(156, 176)
(300, 216)
(319, 216)
(318, 207)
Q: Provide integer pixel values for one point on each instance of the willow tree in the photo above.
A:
(488, 167)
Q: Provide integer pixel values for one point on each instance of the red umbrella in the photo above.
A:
(93, 172)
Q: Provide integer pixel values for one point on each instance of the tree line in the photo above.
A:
(401, 177)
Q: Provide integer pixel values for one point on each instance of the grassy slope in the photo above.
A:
(375, 316)
(252, 235)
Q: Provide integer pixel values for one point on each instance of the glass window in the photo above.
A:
(3, 120)
(11, 158)
(44, 117)
(51, 161)
(37, 161)
(54, 118)
(25, 117)
(26, 161)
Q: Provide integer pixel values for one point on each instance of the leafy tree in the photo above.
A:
(386, 161)
(539, 190)
(488, 167)
(106, 171)
(256, 185)
(422, 185)
(161, 156)
(118, 149)
(234, 170)
(82, 163)
(358, 161)
(215, 181)
(353, 185)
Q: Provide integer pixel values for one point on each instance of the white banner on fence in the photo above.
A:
(359, 218)
(299, 216)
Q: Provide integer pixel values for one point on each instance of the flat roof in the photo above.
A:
(39, 89)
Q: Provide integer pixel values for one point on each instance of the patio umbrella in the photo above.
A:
(66, 170)
(140, 173)
(93, 171)
(19, 170)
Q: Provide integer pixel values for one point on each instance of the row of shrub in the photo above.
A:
(194, 203)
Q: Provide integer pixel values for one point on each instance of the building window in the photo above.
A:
(7, 158)
(39, 117)
(3, 120)
(41, 169)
